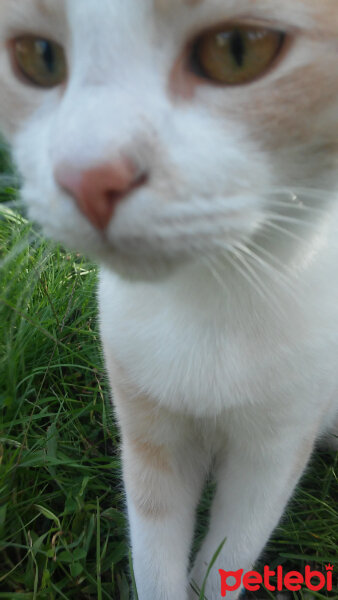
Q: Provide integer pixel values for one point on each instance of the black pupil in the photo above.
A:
(237, 47)
(47, 53)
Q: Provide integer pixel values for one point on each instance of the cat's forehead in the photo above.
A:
(308, 14)
(167, 5)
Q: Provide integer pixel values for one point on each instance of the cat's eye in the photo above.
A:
(236, 55)
(42, 62)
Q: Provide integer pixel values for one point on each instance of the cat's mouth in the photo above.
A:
(145, 235)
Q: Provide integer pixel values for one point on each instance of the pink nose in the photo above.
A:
(98, 191)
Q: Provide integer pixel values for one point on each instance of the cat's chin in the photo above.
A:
(135, 264)
(140, 268)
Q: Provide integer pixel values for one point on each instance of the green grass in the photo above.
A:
(60, 497)
(62, 523)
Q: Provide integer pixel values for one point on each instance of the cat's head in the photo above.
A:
(149, 132)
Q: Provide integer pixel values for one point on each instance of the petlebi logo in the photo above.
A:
(291, 580)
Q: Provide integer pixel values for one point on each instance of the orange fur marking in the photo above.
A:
(155, 457)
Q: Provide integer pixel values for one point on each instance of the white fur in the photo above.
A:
(227, 324)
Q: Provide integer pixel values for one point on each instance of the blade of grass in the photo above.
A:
(132, 574)
(98, 550)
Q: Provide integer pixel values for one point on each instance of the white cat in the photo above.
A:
(191, 146)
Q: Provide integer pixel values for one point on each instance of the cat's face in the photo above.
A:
(213, 156)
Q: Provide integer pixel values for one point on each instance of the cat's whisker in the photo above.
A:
(299, 192)
(275, 305)
(293, 220)
(280, 266)
(269, 255)
(285, 232)
(230, 257)
(207, 261)
(238, 261)
(276, 275)
(300, 208)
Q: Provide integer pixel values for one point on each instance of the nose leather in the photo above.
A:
(99, 190)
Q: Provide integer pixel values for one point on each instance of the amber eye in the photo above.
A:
(236, 55)
(41, 61)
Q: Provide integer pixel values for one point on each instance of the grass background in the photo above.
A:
(62, 523)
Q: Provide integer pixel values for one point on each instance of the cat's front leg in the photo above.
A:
(255, 478)
(162, 497)
(163, 470)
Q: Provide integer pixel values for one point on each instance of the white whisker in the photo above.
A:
(240, 264)
(237, 267)
(284, 232)
(207, 260)
(277, 275)
(293, 220)
(295, 193)
(299, 207)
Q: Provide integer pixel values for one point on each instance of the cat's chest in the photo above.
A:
(189, 357)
